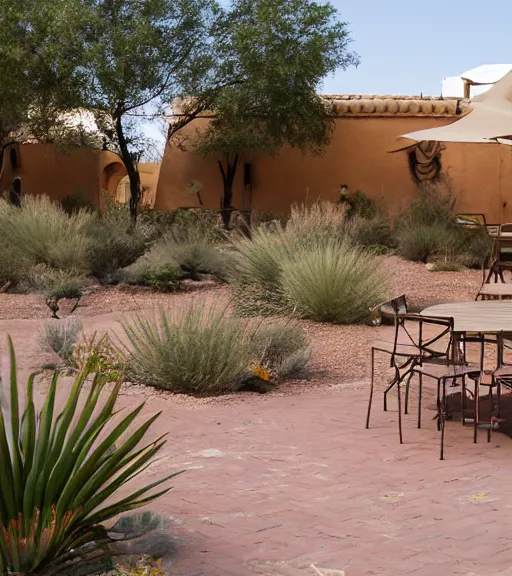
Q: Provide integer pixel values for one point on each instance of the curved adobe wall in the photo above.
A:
(359, 156)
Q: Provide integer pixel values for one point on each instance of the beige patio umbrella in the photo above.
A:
(489, 119)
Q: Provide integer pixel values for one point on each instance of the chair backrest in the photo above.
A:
(503, 243)
(389, 310)
(424, 332)
(471, 221)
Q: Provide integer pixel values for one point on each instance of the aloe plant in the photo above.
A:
(59, 472)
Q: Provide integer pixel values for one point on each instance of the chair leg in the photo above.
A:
(420, 392)
(386, 394)
(371, 391)
(477, 410)
(438, 403)
(399, 411)
(407, 386)
(463, 401)
(445, 406)
(441, 420)
(498, 397)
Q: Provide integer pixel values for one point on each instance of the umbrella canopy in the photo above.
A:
(489, 120)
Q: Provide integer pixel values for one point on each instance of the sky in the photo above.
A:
(407, 47)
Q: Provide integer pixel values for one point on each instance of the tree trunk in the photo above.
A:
(228, 177)
(131, 168)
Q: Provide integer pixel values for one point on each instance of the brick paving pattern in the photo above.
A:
(285, 485)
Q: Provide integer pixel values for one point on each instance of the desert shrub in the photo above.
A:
(101, 355)
(61, 337)
(282, 349)
(418, 243)
(115, 241)
(55, 284)
(158, 277)
(430, 207)
(471, 247)
(76, 202)
(199, 351)
(157, 269)
(14, 265)
(59, 483)
(257, 274)
(446, 266)
(333, 283)
(206, 223)
(374, 232)
(361, 205)
(319, 222)
(193, 253)
(43, 233)
(278, 272)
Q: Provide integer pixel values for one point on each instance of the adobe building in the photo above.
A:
(365, 154)
(37, 168)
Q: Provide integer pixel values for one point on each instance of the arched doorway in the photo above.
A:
(112, 174)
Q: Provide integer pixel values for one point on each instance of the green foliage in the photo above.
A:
(333, 283)
(59, 476)
(446, 266)
(193, 253)
(41, 55)
(419, 242)
(115, 241)
(76, 202)
(428, 228)
(376, 233)
(14, 265)
(60, 337)
(199, 351)
(55, 284)
(257, 276)
(310, 268)
(319, 222)
(360, 204)
(101, 355)
(44, 234)
(430, 207)
(282, 349)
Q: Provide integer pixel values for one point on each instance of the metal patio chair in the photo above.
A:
(502, 375)
(455, 368)
(501, 258)
(407, 349)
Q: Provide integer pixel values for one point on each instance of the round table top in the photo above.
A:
(485, 316)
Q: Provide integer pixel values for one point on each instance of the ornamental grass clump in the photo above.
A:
(61, 470)
(256, 279)
(335, 283)
(309, 275)
(44, 233)
(205, 351)
(199, 350)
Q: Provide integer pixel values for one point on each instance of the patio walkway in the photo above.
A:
(276, 484)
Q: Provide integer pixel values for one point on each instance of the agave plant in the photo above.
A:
(60, 471)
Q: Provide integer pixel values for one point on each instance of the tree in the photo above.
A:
(279, 54)
(140, 55)
(41, 56)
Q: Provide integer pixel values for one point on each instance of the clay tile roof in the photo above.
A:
(347, 105)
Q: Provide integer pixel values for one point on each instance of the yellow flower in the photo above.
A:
(261, 373)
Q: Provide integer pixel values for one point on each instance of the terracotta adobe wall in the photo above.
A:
(43, 169)
(358, 156)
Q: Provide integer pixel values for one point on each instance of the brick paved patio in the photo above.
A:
(280, 484)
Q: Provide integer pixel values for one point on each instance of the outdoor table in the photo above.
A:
(481, 316)
(497, 290)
